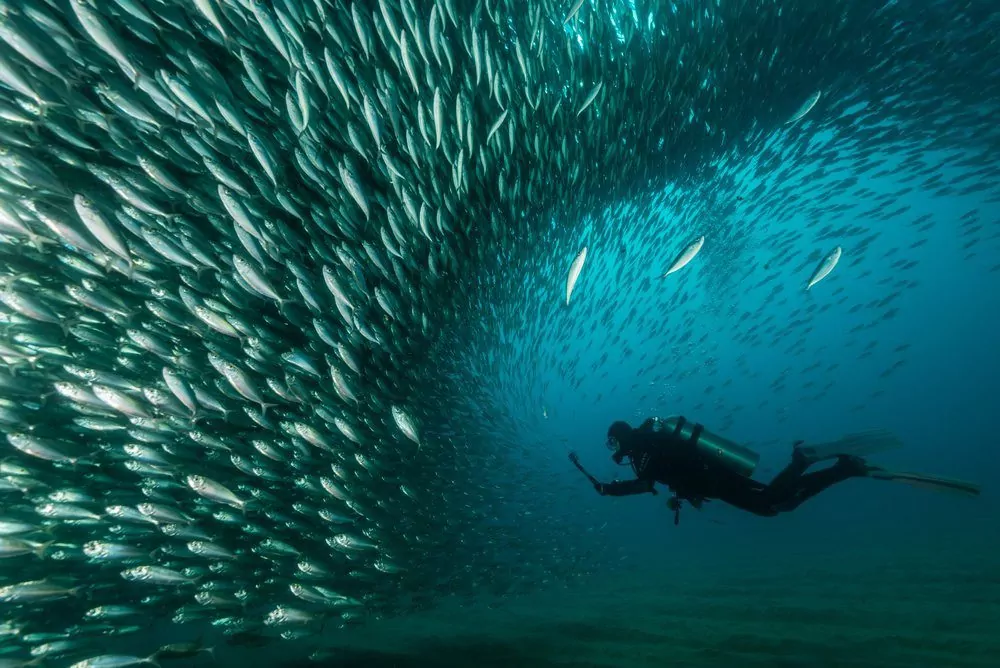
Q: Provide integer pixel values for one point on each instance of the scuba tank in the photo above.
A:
(720, 450)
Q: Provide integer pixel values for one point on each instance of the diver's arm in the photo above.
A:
(625, 487)
(615, 488)
(593, 481)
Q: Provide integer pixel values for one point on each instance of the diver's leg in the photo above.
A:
(786, 480)
(746, 494)
(809, 485)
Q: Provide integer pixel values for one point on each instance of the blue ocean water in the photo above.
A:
(386, 453)
(937, 398)
(900, 336)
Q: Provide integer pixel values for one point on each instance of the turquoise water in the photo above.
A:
(304, 266)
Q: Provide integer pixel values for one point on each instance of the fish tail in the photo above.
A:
(66, 323)
(41, 549)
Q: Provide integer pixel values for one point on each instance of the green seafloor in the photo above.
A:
(900, 604)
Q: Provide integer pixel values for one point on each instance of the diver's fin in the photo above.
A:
(861, 444)
(929, 481)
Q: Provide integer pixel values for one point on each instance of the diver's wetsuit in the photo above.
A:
(660, 456)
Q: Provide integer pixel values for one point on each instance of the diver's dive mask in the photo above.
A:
(619, 453)
(618, 435)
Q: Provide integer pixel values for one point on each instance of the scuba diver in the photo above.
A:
(699, 466)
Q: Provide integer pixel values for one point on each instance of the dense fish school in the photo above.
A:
(280, 278)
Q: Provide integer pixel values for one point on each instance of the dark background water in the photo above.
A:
(896, 164)
(902, 336)
(938, 399)
(869, 573)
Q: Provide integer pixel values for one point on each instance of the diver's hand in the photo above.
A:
(574, 458)
(598, 487)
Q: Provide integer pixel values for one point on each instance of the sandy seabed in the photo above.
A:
(930, 607)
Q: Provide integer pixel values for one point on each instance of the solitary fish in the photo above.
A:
(438, 117)
(496, 126)
(825, 267)
(114, 661)
(99, 227)
(805, 108)
(405, 424)
(574, 272)
(214, 491)
(573, 10)
(686, 256)
(591, 96)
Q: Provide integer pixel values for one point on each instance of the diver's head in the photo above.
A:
(619, 437)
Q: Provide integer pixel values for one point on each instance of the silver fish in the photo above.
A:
(826, 265)
(684, 258)
(574, 272)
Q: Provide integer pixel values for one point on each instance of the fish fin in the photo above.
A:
(39, 241)
(66, 323)
(42, 547)
(32, 361)
(251, 506)
(84, 461)
(45, 105)
(7, 281)
(201, 268)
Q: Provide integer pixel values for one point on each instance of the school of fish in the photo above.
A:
(272, 273)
